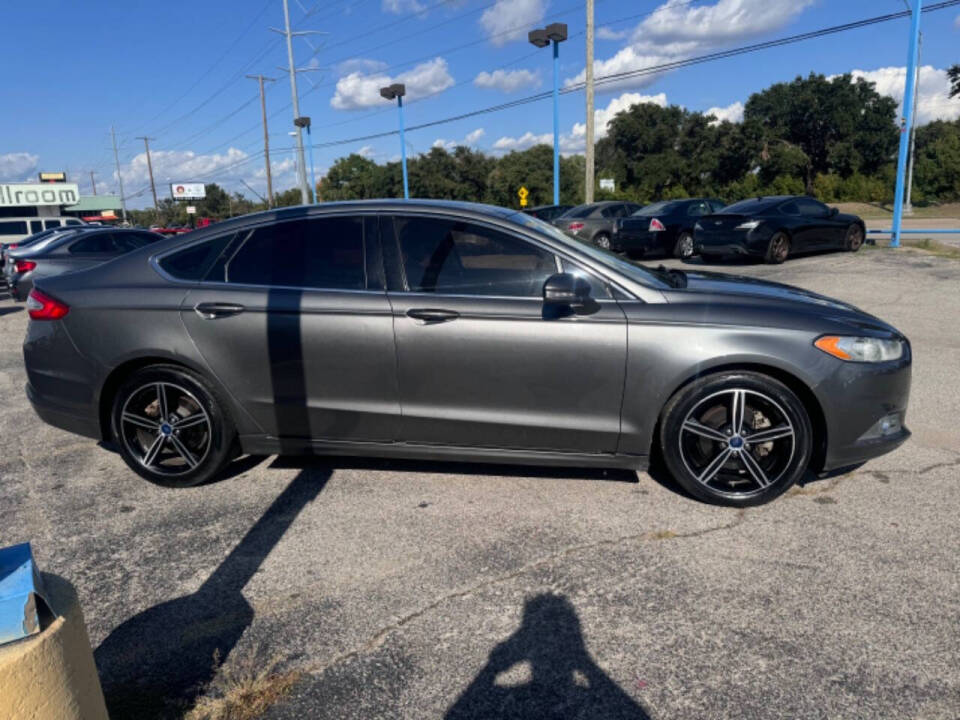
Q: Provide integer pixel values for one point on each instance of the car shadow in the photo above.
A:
(544, 670)
(156, 663)
(9, 310)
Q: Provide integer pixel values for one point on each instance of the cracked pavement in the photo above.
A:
(412, 590)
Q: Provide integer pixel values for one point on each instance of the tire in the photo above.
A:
(684, 247)
(172, 453)
(854, 238)
(727, 469)
(602, 240)
(779, 249)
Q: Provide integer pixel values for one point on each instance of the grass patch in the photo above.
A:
(244, 690)
(933, 247)
(878, 211)
(663, 535)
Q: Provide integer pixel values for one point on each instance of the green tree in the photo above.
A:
(954, 76)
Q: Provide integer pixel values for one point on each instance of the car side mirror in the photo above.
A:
(566, 289)
(833, 211)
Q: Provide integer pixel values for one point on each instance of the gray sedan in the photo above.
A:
(594, 222)
(453, 331)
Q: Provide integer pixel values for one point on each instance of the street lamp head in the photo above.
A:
(393, 91)
(538, 37)
(556, 31)
(302, 122)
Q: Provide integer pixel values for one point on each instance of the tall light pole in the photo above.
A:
(588, 76)
(907, 204)
(153, 188)
(907, 121)
(304, 122)
(398, 90)
(266, 135)
(554, 33)
(302, 174)
(116, 160)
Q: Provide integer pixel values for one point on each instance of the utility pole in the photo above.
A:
(588, 180)
(266, 136)
(907, 205)
(916, 6)
(116, 160)
(93, 182)
(301, 173)
(153, 188)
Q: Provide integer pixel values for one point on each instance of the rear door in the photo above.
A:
(480, 361)
(294, 321)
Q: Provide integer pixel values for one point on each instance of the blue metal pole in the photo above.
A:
(313, 177)
(556, 123)
(403, 150)
(907, 122)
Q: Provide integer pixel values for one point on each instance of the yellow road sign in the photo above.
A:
(522, 193)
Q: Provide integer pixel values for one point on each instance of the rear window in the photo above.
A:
(747, 207)
(13, 227)
(658, 208)
(51, 224)
(580, 211)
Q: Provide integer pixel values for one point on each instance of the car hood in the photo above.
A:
(719, 287)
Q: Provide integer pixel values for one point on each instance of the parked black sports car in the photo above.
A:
(547, 212)
(443, 330)
(594, 222)
(662, 228)
(773, 228)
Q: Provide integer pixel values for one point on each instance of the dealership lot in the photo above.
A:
(403, 589)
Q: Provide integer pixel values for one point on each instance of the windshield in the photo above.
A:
(637, 273)
(658, 208)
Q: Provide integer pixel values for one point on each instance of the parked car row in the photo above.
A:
(445, 330)
(771, 228)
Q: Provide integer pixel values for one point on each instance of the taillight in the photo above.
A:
(575, 226)
(41, 306)
(22, 266)
(11, 247)
(656, 226)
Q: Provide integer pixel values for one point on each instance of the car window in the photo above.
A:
(192, 263)
(455, 257)
(94, 244)
(319, 253)
(751, 206)
(125, 242)
(630, 209)
(612, 211)
(811, 208)
(13, 227)
(72, 222)
(51, 224)
(664, 207)
(35, 226)
(717, 205)
(698, 208)
(790, 208)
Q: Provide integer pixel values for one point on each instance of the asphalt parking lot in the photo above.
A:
(420, 590)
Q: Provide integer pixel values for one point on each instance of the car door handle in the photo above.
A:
(215, 310)
(432, 315)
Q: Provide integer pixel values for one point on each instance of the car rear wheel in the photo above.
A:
(170, 426)
(602, 240)
(854, 239)
(779, 248)
(736, 438)
(684, 247)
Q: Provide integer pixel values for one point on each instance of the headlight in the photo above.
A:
(860, 349)
(748, 225)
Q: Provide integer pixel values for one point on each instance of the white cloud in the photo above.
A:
(607, 33)
(676, 30)
(184, 166)
(470, 139)
(359, 90)
(956, 23)
(398, 7)
(362, 65)
(16, 166)
(508, 81)
(510, 20)
(575, 140)
(732, 113)
(366, 151)
(933, 98)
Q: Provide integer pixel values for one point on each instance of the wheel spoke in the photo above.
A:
(162, 401)
(139, 421)
(775, 433)
(704, 431)
(736, 411)
(191, 420)
(714, 467)
(753, 467)
(153, 451)
(183, 452)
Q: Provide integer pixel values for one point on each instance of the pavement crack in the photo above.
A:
(380, 637)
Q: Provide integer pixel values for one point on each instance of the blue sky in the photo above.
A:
(175, 71)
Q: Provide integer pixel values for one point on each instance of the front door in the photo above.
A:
(480, 363)
(295, 325)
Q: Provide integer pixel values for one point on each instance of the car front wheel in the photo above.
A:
(602, 240)
(170, 426)
(684, 246)
(854, 239)
(736, 438)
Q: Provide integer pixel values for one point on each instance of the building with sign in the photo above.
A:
(95, 208)
(37, 199)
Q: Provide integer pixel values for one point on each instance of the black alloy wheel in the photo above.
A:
(684, 246)
(171, 428)
(779, 248)
(854, 239)
(736, 438)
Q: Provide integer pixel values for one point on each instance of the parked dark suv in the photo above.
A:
(456, 331)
